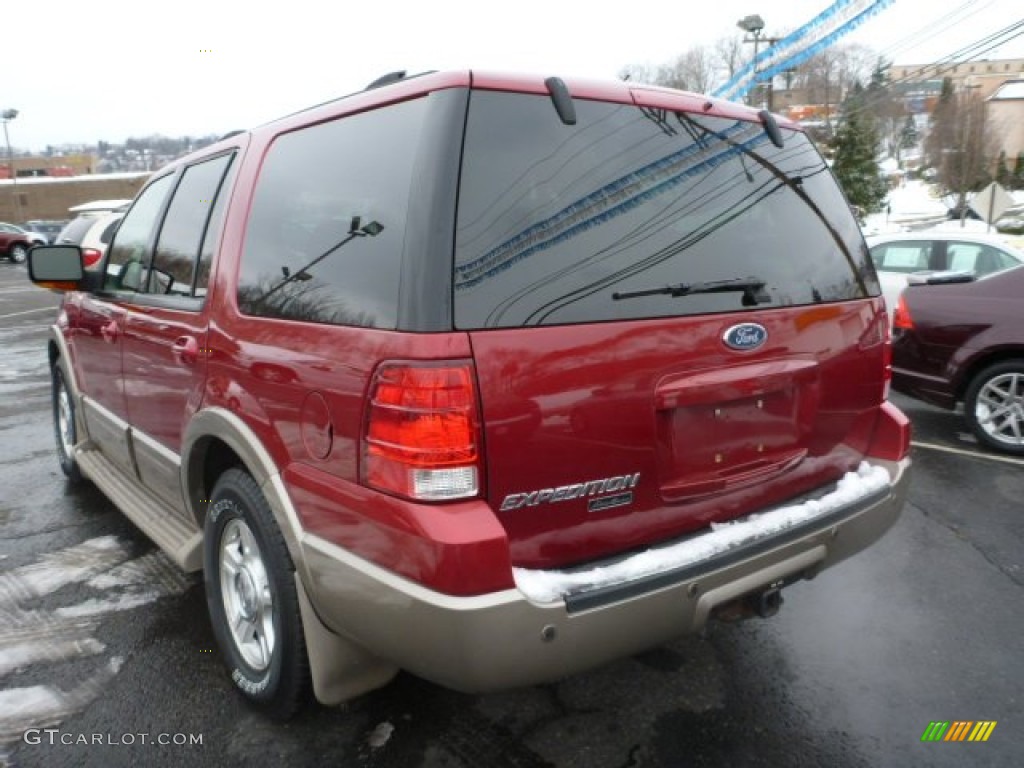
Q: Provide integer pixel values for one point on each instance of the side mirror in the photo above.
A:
(58, 267)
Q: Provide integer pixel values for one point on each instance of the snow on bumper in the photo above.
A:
(548, 586)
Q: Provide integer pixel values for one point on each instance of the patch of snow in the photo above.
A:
(967, 226)
(153, 569)
(1012, 89)
(380, 735)
(29, 652)
(42, 706)
(96, 606)
(59, 569)
(31, 702)
(912, 201)
(548, 586)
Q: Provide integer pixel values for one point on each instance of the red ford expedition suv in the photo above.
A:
(490, 378)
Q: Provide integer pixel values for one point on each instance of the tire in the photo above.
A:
(18, 253)
(994, 406)
(65, 429)
(251, 597)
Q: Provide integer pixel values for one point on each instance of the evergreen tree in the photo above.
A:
(909, 135)
(1017, 178)
(856, 145)
(1002, 171)
(941, 133)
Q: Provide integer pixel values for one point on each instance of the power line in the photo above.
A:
(933, 28)
(970, 52)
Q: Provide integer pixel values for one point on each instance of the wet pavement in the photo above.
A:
(106, 649)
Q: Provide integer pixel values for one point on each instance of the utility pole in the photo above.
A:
(966, 154)
(7, 115)
(754, 26)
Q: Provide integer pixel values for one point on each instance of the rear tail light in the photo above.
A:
(901, 317)
(422, 433)
(91, 257)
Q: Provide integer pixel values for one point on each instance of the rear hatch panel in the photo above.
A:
(632, 391)
(600, 439)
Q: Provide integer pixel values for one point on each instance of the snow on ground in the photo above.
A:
(912, 201)
(916, 201)
(548, 586)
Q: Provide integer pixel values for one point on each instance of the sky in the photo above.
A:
(79, 72)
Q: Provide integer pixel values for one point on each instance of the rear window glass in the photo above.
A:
(978, 258)
(902, 257)
(555, 219)
(75, 231)
(327, 229)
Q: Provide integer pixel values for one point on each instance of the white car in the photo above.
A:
(898, 255)
(92, 233)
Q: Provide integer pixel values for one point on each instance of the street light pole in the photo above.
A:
(754, 25)
(966, 153)
(7, 115)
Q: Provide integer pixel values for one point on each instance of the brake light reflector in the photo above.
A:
(422, 433)
(91, 256)
(901, 317)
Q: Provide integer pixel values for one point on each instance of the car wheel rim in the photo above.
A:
(999, 410)
(18, 254)
(248, 600)
(65, 419)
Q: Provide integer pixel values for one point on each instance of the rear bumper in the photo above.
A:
(504, 640)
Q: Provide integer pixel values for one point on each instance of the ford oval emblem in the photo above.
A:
(745, 336)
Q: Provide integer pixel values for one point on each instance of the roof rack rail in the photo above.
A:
(388, 79)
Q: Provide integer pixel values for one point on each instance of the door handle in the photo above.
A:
(110, 331)
(185, 349)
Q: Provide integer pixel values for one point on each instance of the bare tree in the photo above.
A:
(639, 73)
(827, 77)
(693, 70)
(960, 143)
(729, 55)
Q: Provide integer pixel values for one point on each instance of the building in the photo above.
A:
(32, 166)
(985, 76)
(1006, 115)
(50, 198)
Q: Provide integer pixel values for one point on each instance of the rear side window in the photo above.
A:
(977, 258)
(177, 248)
(127, 266)
(212, 234)
(554, 219)
(108, 231)
(325, 236)
(907, 257)
(74, 233)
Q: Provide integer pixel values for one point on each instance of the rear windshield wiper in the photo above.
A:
(751, 288)
(794, 183)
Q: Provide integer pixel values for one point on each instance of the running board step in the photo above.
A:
(182, 542)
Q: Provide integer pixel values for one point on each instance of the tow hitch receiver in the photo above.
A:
(764, 604)
(767, 603)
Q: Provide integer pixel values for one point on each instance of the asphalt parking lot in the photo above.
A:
(107, 658)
